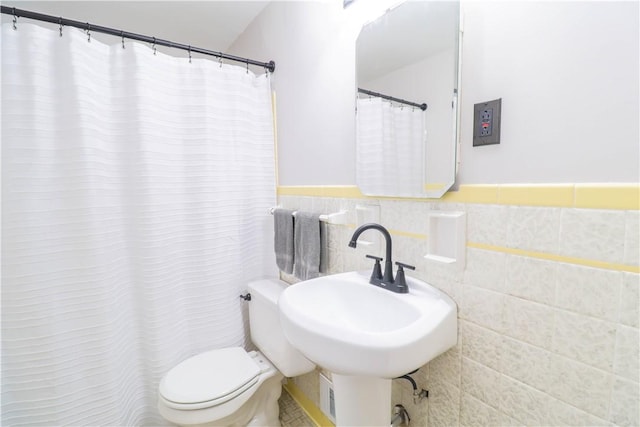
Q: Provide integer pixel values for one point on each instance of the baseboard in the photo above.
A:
(309, 408)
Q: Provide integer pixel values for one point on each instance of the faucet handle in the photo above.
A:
(400, 282)
(403, 265)
(376, 274)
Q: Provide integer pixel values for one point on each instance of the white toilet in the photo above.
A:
(232, 387)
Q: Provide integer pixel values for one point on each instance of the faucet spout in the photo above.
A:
(387, 276)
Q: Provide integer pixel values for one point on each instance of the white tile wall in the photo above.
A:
(589, 291)
(446, 367)
(486, 269)
(531, 279)
(625, 403)
(485, 224)
(528, 321)
(632, 239)
(629, 297)
(526, 363)
(533, 229)
(580, 385)
(482, 307)
(481, 382)
(585, 339)
(523, 403)
(476, 413)
(593, 234)
(481, 345)
(627, 355)
(441, 410)
(541, 342)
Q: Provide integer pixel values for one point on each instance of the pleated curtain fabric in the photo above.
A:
(390, 148)
(135, 197)
(371, 147)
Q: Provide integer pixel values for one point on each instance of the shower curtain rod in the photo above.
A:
(422, 106)
(21, 13)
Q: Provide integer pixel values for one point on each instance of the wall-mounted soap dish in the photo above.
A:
(446, 238)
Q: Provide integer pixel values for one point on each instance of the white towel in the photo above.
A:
(307, 245)
(283, 239)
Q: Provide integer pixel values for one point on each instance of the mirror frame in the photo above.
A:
(431, 189)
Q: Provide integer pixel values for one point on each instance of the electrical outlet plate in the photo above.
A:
(486, 122)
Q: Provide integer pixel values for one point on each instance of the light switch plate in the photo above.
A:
(486, 122)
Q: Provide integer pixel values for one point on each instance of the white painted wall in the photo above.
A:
(567, 73)
(313, 45)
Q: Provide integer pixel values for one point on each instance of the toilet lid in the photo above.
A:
(210, 376)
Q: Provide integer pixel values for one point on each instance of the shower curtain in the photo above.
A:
(135, 196)
(390, 148)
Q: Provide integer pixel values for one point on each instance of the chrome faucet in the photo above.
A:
(384, 280)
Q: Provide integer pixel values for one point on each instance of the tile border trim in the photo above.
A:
(605, 265)
(618, 196)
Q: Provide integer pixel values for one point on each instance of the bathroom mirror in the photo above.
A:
(411, 53)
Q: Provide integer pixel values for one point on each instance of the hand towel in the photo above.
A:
(283, 239)
(306, 245)
(324, 247)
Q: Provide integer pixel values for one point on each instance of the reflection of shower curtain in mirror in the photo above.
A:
(390, 148)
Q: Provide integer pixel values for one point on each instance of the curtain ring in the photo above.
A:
(154, 46)
(122, 34)
(88, 32)
(247, 66)
(60, 22)
(15, 19)
(220, 60)
(189, 54)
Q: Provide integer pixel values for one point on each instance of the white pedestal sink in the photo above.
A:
(365, 336)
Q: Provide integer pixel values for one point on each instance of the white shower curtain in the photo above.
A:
(390, 148)
(135, 196)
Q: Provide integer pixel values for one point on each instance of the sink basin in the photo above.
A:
(350, 327)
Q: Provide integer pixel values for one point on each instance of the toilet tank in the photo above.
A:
(266, 332)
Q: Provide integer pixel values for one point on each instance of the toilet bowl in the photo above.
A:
(230, 386)
(226, 387)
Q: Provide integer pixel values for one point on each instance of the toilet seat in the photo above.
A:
(210, 379)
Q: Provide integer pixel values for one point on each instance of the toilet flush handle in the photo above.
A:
(246, 297)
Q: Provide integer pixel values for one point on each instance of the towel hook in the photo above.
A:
(15, 19)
